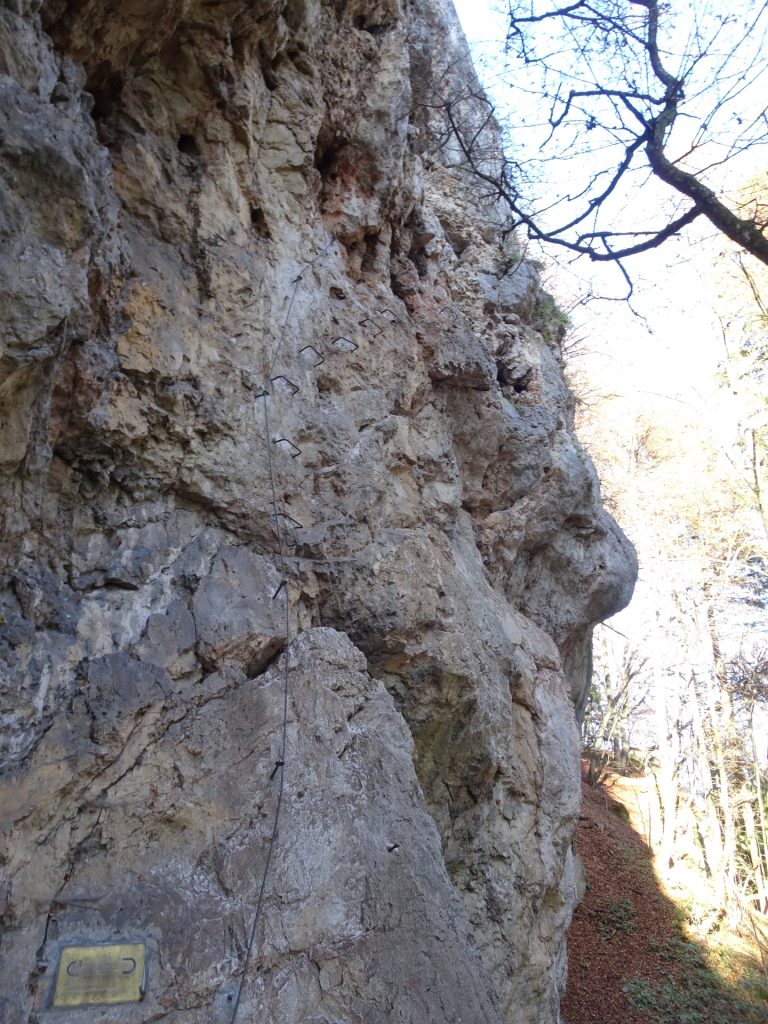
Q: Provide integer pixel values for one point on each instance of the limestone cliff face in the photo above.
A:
(203, 201)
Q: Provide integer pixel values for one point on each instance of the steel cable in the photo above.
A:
(279, 765)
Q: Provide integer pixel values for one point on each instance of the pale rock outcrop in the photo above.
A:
(202, 201)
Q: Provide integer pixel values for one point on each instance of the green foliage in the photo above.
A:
(641, 995)
(696, 996)
(548, 318)
(684, 952)
(618, 918)
(759, 990)
(620, 811)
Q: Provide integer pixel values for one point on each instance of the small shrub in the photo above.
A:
(686, 952)
(620, 811)
(617, 918)
(640, 994)
(697, 996)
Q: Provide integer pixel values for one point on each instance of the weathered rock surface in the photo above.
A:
(201, 201)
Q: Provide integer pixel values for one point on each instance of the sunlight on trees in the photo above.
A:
(741, 286)
(688, 485)
(625, 122)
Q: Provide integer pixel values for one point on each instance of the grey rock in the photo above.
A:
(237, 616)
(118, 688)
(280, 401)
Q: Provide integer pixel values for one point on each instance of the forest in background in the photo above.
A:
(681, 680)
(633, 132)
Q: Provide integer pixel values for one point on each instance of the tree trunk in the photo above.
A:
(750, 831)
(762, 840)
(711, 832)
(666, 783)
(720, 726)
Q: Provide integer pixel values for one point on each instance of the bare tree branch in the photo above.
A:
(605, 72)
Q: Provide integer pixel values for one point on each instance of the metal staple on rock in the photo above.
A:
(277, 515)
(296, 282)
(279, 765)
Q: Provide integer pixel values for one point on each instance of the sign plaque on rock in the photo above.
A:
(99, 974)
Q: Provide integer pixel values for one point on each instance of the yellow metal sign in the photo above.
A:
(89, 975)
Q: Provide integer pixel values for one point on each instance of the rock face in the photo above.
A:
(287, 473)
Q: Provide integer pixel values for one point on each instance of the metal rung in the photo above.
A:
(294, 387)
(388, 314)
(284, 515)
(295, 450)
(368, 323)
(311, 348)
(342, 342)
(452, 313)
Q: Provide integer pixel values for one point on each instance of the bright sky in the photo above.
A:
(671, 355)
(677, 349)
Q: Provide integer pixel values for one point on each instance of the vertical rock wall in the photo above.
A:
(200, 201)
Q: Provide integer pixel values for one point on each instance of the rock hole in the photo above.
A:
(363, 25)
(270, 62)
(417, 254)
(259, 222)
(328, 153)
(456, 239)
(520, 384)
(186, 144)
(371, 242)
(106, 91)
(270, 79)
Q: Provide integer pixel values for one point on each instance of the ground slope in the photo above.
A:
(632, 957)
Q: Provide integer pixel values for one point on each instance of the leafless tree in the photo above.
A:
(610, 95)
